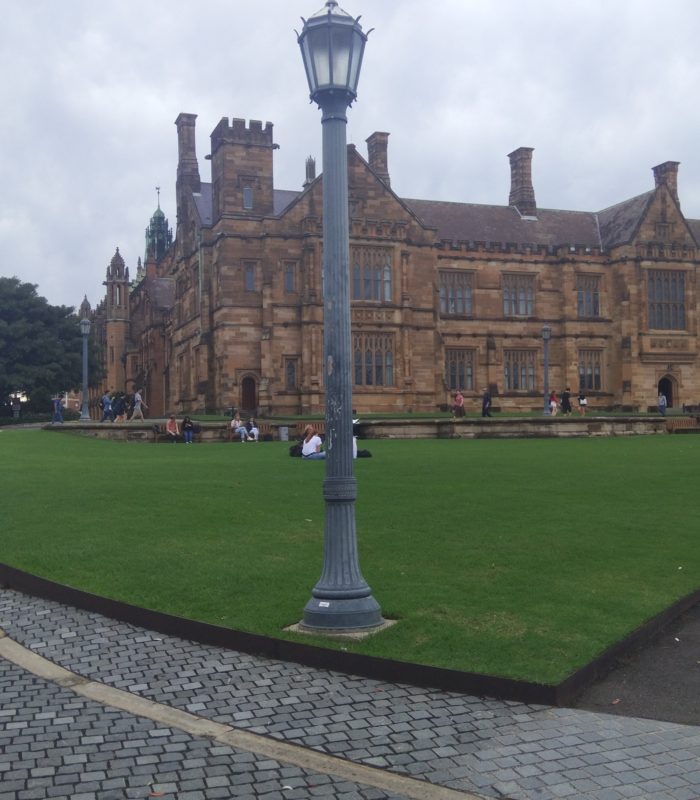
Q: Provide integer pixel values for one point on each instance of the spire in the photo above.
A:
(159, 236)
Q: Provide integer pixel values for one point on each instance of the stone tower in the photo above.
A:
(116, 316)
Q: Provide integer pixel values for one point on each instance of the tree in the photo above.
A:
(40, 345)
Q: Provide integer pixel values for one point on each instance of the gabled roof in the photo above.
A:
(612, 227)
(619, 223)
(281, 198)
(483, 223)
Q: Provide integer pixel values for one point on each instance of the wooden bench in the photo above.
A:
(682, 425)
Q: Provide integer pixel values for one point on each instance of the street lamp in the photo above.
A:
(332, 44)
(85, 332)
(546, 336)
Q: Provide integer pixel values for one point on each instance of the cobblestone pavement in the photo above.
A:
(51, 739)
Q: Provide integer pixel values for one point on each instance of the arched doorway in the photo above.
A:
(249, 395)
(666, 388)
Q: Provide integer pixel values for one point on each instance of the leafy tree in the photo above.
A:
(40, 345)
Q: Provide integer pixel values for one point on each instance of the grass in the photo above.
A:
(519, 558)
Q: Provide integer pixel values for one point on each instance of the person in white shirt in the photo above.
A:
(311, 448)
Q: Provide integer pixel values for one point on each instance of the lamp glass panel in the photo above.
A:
(308, 63)
(341, 42)
(358, 45)
(320, 55)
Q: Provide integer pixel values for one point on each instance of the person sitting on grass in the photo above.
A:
(311, 448)
(172, 429)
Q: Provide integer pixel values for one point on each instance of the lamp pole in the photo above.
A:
(546, 336)
(332, 44)
(85, 332)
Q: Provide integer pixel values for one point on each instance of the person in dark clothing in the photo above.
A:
(486, 403)
(566, 401)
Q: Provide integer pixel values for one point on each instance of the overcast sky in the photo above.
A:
(602, 89)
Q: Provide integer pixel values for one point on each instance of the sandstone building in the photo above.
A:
(445, 295)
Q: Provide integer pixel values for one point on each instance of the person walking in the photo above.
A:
(566, 402)
(553, 404)
(458, 407)
(107, 413)
(582, 403)
(119, 408)
(486, 403)
(661, 402)
(139, 405)
(57, 406)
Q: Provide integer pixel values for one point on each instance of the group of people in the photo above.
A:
(174, 430)
(115, 406)
(564, 403)
(458, 410)
(248, 431)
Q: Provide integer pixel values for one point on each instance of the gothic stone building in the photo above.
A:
(445, 295)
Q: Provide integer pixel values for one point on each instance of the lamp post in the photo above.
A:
(332, 44)
(546, 336)
(85, 332)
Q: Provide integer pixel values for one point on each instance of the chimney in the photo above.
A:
(310, 171)
(187, 167)
(377, 155)
(666, 174)
(522, 195)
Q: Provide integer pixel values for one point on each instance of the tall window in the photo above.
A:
(459, 369)
(289, 277)
(290, 373)
(666, 293)
(371, 274)
(249, 277)
(589, 371)
(373, 355)
(455, 293)
(588, 295)
(519, 370)
(247, 198)
(518, 295)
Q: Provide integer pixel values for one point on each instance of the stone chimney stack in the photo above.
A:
(310, 171)
(377, 145)
(667, 174)
(522, 195)
(187, 167)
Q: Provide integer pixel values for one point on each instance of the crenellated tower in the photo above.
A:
(241, 168)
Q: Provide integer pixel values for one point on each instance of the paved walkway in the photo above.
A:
(94, 709)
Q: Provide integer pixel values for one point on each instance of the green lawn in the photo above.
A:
(520, 558)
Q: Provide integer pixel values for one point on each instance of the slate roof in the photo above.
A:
(281, 198)
(694, 225)
(203, 202)
(471, 222)
(160, 290)
(618, 223)
(483, 223)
